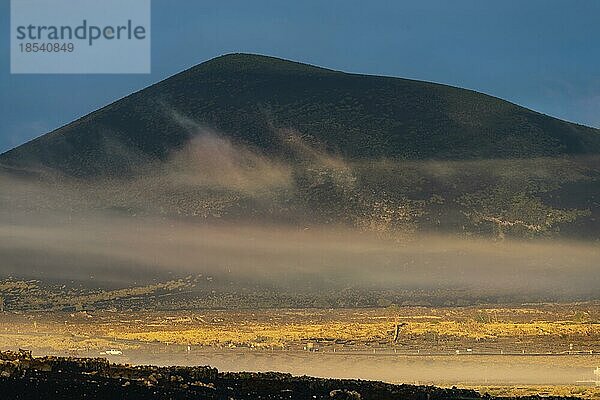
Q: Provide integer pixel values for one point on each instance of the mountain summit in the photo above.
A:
(248, 97)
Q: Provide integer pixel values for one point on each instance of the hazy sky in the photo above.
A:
(542, 54)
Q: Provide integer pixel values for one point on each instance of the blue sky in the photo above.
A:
(543, 54)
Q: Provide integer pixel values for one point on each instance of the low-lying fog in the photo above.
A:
(475, 370)
(124, 250)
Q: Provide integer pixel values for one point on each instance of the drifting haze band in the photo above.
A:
(117, 251)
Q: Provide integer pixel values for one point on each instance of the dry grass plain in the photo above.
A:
(541, 338)
(547, 329)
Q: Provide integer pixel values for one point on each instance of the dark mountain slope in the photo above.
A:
(252, 137)
(249, 97)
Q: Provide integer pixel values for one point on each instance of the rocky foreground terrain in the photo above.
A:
(25, 377)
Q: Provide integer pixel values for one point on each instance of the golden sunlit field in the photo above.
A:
(547, 329)
(549, 349)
